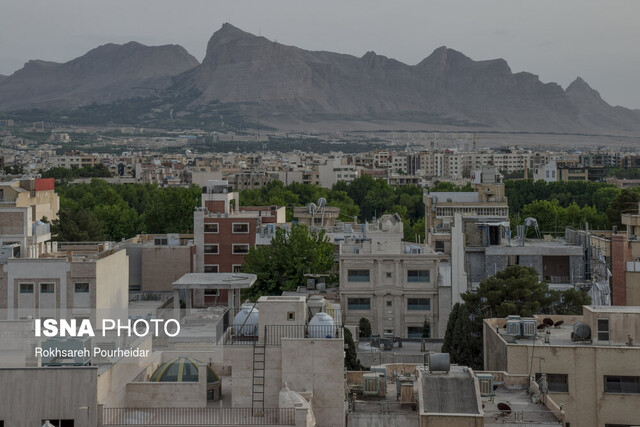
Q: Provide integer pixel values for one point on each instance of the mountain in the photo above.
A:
(244, 77)
(105, 74)
(2, 77)
(593, 110)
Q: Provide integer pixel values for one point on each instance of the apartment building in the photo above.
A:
(76, 281)
(25, 206)
(394, 284)
(74, 160)
(487, 200)
(590, 362)
(224, 231)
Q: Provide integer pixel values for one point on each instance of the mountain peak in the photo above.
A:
(228, 33)
(579, 87)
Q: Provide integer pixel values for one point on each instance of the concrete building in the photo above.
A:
(290, 354)
(394, 284)
(590, 362)
(325, 216)
(224, 231)
(24, 203)
(81, 282)
(546, 172)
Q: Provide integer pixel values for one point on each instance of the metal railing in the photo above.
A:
(197, 416)
(272, 335)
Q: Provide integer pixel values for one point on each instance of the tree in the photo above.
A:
(426, 328)
(625, 202)
(351, 360)
(570, 301)
(281, 266)
(76, 226)
(448, 335)
(467, 345)
(365, 327)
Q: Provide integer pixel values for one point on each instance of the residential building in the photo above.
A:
(224, 231)
(590, 362)
(394, 284)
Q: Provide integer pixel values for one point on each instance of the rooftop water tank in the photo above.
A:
(246, 321)
(322, 326)
(581, 332)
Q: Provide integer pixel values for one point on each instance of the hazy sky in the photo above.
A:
(556, 39)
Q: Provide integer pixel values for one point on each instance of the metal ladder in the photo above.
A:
(257, 389)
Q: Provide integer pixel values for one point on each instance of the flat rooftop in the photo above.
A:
(519, 400)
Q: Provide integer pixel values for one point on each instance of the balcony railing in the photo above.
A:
(198, 417)
(272, 335)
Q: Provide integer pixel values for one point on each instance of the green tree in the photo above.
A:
(76, 226)
(281, 266)
(365, 327)
(570, 301)
(351, 360)
(467, 345)
(447, 343)
(625, 202)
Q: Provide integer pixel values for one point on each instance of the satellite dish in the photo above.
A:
(548, 321)
(322, 202)
(541, 326)
(558, 323)
(504, 408)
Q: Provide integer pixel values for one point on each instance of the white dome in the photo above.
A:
(321, 326)
(246, 321)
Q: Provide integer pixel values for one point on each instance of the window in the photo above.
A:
(388, 275)
(603, 329)
(556, 383)
(439, 245)
(240, 227)
(240, 248)
(211, 268)
(237, 268)
(418, 276)
(47, 288)
(212, 292)
(291, 315)
(211, 249)
(26, 288)
(358, 304)
(389, 303)
(358, 275)
(161, 241)
(418, 304)
(59, 423)
(211, 227)
(81, 288)
(619, 384)
(414, 332)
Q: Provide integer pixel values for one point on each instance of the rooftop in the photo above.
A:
(449, 393)
(523, 409)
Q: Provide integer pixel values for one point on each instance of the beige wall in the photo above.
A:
(163, 265)
(585, 404)
(112, 286)
(38, 394)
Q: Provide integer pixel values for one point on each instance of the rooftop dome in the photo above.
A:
(182, 369)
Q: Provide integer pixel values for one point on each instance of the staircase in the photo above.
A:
(257, 389)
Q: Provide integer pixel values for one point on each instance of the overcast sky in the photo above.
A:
(555, 39)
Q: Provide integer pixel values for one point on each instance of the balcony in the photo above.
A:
(272, 335)
(198, 417)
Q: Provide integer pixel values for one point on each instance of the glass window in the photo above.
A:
(81, 288)
(26, 288)
(358, 304)
(418, 276)
(47, 288)
(210, 268)
(240, 249)
(358, 275)
(603, 329)
(211, 227)
(237, 268)
(418, 304)
(414, 332)
(212, 292)
(556, 383)
(620, 384)
(242, 227)
(211, 249)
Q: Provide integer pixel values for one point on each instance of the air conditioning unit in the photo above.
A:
(529, 327)
(514, 326)
(486, 384)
